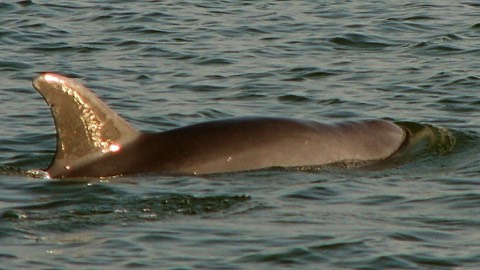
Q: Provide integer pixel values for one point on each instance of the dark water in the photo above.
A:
(164, 64)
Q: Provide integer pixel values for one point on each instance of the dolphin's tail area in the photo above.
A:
(87, 128)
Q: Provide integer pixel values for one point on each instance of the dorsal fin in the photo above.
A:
(87, 128)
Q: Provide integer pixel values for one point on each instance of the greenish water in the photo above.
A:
(164, 64)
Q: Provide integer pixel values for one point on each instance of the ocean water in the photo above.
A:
(165, 64)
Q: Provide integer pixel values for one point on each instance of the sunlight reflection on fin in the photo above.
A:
(52, 78)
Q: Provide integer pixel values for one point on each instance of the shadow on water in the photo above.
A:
(78, 205)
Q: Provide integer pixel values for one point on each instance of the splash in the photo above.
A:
(434, 139)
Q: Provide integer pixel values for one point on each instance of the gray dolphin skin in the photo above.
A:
(94, 141)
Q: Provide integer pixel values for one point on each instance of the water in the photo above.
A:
(164, 64)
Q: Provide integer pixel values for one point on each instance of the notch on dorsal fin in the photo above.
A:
(87, 128)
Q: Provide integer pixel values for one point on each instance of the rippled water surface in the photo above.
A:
(164, 64)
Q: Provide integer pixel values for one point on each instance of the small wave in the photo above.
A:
(13, 66)
(312, 193)
(303, 73)
(8, 170)
(294, 256)
(360, 41)
(63, 47)
(209, 61)
(294, 99)
(13, 171)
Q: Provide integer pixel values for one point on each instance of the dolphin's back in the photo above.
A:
(93, 141)
(254, 143)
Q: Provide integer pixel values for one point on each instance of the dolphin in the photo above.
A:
(94, 141)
